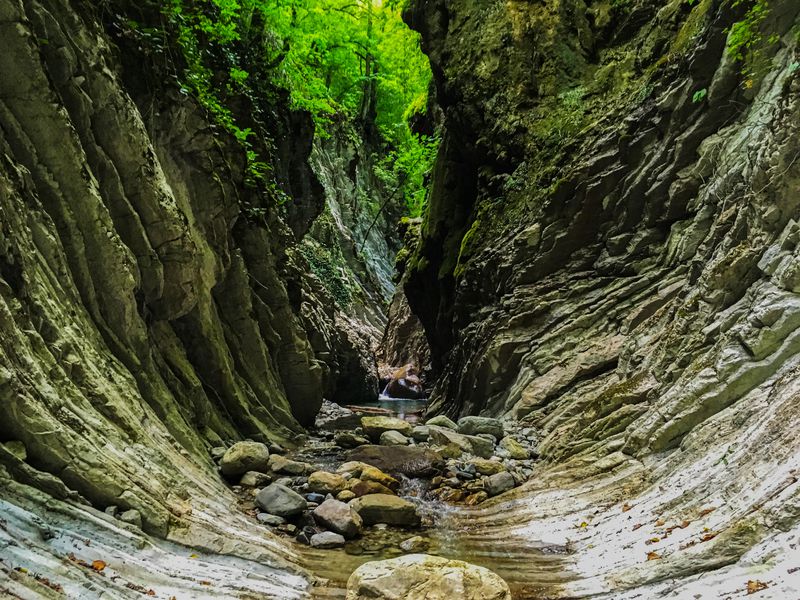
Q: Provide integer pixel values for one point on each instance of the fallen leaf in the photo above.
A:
(151, 592)
(653, 540)
(98, 565)
(708, 536)
(707, 511)
(193, 556)
(205, 582)
(637, 526)
(755, 586)
(626, 507)
(583, 525)
(653, 556)
(660, 522)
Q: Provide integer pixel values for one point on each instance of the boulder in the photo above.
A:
(364, 488)
(327, 539)
(393, 438)
(375, 426)
(370, 473)
(345, 495)
(498, 483)
(384, 508)
(487, 467)
(405, 383)
(420, 433)
(255, 479)
(348, 439)
(243, 457)
(286, 466)
(339, 517)
(322, 482)
(476, 425)
(442, 421)
(425, 577)
(514, 448)
(277, 499)
(413, 461)
(467, 443)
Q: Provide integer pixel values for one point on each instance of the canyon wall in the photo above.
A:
(154, 304)
(612, 243)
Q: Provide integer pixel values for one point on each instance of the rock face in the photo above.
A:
(609, 253)
(425, 577)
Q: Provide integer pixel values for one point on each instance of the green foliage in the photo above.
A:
(407, 169)
(327, 263)
(700, 95)
(340, 59)
(745, 35)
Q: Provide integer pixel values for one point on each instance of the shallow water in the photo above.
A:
(403, 408)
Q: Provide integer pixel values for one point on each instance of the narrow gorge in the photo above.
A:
(425, 299)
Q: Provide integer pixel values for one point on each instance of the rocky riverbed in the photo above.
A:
(377, 487)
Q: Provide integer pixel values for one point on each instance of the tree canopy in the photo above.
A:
(341, 60)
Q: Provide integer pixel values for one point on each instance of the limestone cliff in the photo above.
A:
(612, 241)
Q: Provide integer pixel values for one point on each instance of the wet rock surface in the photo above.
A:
(424, 577)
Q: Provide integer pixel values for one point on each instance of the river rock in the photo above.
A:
(348, 439)
(467, 443)
(243, 457)
(499, 483)
(384, 508)
(515, 450)
(326, 539)
(425, 577)
(375, 426)
(339, 517)
(475, 425)
(393, 438)
(255, 479)
(414, 544)
(487, 467)
(413, 461)
(286, 466)
(345, 496)
(271, 520)
(364, 488)
(420, 433)
(322, 482)
(442, 421)
(217, 452)
(405, 383)
(476, 498)
(277, 499)
(370, 473)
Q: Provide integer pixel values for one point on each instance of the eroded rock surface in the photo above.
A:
(425, 577)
